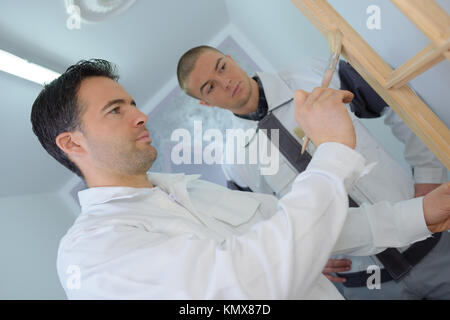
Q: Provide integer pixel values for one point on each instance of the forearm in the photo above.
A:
(371, 229)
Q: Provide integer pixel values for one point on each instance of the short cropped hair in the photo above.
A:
(57, 108)
(187, 63)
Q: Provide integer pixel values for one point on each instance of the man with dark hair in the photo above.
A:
(157, 236)
(62, 111)
(265, 102)
(56, 118)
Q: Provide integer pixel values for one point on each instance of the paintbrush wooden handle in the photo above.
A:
(335, 43)
(305, 144)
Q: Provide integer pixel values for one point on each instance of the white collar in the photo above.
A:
(165, 181)
(275, 89)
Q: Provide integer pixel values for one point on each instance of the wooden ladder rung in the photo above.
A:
(422, 61)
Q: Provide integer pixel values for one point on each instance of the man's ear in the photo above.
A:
(68, 142)
(228, 56)
(204, 103)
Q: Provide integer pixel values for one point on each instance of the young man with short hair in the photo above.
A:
(265, 101)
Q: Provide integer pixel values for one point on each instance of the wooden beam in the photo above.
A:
(414, 112)
(415, 66)
(428, 16)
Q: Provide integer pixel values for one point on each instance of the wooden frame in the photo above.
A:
(390, 84)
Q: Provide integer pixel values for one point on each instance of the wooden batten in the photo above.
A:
(418, 64)
(414, 112)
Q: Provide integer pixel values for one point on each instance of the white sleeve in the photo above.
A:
(277, 258)
(371, 229)
(426, 167)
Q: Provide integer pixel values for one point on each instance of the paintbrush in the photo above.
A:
(335, 43)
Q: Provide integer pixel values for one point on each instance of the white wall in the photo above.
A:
(30, 229)
(284, 36)
(277, 29)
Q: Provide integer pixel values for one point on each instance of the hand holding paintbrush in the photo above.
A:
(335, 43)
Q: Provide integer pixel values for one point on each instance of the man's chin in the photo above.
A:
(153, 154)
(243, 101)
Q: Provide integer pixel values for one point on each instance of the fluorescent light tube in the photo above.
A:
(24, 69)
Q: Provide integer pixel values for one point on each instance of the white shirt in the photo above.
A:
(387, 181)
(191, 239)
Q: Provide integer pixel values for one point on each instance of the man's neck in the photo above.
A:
(119, 180)
(252, 103)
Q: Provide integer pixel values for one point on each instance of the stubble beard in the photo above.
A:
(130, 161)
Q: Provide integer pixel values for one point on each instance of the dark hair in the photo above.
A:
(57, 109)
(187, 63)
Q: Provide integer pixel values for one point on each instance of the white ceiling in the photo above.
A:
(145, 42)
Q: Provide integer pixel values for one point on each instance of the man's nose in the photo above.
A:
(140, 119)
(226, 83)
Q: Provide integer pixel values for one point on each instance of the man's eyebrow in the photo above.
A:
(217, 63)
(215, 69)
(116, 101)
(201, 88)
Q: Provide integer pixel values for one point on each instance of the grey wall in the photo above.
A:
(277, 29)
(30, 229)
(25, 167)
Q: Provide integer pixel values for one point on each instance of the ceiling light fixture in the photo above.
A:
(99, 10)
(24, 69)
